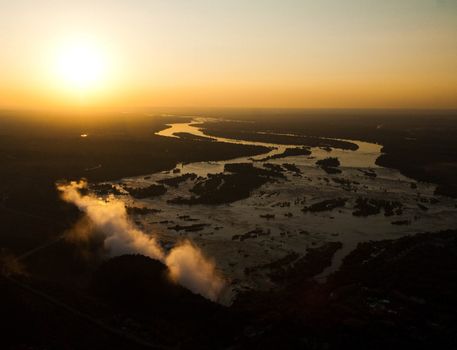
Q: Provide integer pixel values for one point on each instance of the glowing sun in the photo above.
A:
(81, 65)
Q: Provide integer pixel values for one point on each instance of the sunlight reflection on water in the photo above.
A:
(364, 157)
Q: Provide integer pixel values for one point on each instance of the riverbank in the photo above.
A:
(288, 209)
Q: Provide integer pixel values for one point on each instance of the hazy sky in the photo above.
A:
(257, 53)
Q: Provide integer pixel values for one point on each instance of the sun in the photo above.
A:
(81, 65)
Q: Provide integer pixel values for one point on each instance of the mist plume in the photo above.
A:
(186, 263)
(189, 267)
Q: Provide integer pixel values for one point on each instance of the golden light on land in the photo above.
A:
(81, 66)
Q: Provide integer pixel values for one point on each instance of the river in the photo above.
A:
(275, 209)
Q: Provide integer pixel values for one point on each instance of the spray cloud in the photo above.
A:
(187, 266)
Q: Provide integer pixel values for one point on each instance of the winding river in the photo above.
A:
(364, 157)
(275, 210)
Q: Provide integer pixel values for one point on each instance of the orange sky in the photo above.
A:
(259, 53)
